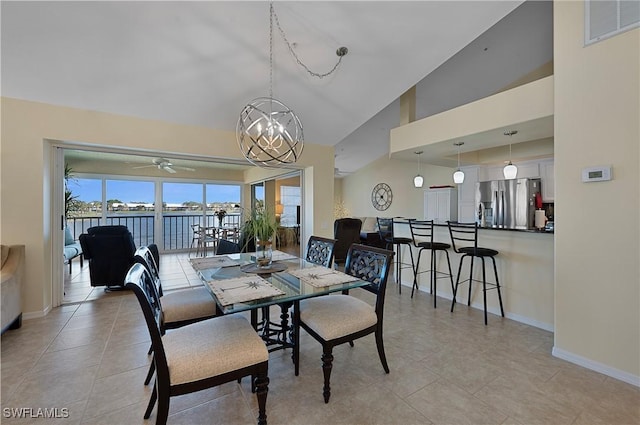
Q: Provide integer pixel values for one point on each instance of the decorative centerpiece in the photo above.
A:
(221, 214)
(262, 226)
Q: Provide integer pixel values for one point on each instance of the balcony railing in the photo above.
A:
(177, 228)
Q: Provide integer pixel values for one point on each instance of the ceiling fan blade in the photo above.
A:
(143, 166)
(184, 168)
(169, 169)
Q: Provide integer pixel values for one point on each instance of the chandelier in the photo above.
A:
(269, 133)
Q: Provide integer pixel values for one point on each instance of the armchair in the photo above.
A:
(110, 251)
(346, 231)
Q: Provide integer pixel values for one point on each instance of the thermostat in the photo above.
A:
(596, 174)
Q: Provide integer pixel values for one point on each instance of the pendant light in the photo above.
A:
(418, 180)
(510, 171)
(268, 132)
(458, 176)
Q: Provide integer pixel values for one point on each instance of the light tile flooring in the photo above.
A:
(446, 368)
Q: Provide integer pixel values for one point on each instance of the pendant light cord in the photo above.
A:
(341, 52)
(271, 13)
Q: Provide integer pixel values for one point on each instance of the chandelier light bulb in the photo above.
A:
(418, 181)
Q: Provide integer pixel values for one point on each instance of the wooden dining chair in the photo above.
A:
(319, 251)
(337, 319)
(181, 307)
(199, 356)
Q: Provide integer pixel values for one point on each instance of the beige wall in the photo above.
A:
(408, 201)
(25, 163)
(597, 98)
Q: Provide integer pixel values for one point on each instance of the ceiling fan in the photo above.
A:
(166, 165)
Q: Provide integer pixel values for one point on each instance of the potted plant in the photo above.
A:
(261, 226)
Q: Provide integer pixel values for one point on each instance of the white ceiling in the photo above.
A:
(199, 63)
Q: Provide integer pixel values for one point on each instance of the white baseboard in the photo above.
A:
(36, 314)
(596, 366)
(479, 306)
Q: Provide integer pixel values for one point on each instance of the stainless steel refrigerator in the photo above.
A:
(508, 204)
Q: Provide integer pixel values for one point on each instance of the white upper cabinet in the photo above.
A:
(441, 205)
(547, 173)
(467, 195)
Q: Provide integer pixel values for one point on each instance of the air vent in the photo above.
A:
(606, 18)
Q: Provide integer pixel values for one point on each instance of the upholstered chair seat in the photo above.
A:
(336, 316)
(187, 305)
(212, 348)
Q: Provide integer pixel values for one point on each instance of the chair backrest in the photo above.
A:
(385, 228)
(421, 231)
(140, 281)
(144, 256)
(346, 231)
(371, 264)
(320, 251)
(227, 247)
(463, 235)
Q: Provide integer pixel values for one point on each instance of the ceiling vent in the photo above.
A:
(606, 18)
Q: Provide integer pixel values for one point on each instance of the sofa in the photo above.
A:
(72, 248)
(369, 232)
(11, 272)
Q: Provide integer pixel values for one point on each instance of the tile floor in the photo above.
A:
(90, 358)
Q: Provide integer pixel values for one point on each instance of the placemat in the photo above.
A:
(242, 289)
(322, 276)
(254, 268)
(213, 262)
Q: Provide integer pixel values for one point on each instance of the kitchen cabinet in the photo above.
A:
(441, 205)
(467, 195)
(547, 174)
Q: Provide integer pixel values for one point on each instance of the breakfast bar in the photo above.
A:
(525, 267)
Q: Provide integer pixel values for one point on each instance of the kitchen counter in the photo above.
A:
(525, 268)
(506, 230)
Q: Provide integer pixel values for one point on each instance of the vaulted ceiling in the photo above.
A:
(199, 63)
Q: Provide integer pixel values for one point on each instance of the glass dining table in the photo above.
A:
(238, 285)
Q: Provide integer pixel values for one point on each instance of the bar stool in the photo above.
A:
(465, 235)
(422, 234)
(386, 231)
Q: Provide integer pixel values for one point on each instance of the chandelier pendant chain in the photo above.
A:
(271, 13)
(341, 52)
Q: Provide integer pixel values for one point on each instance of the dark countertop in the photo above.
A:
(501, 229)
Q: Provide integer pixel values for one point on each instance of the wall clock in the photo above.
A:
(381, 196)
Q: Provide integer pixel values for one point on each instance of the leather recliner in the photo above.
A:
(110, 251)
(346, 231)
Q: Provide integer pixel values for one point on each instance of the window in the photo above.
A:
(290, 200)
